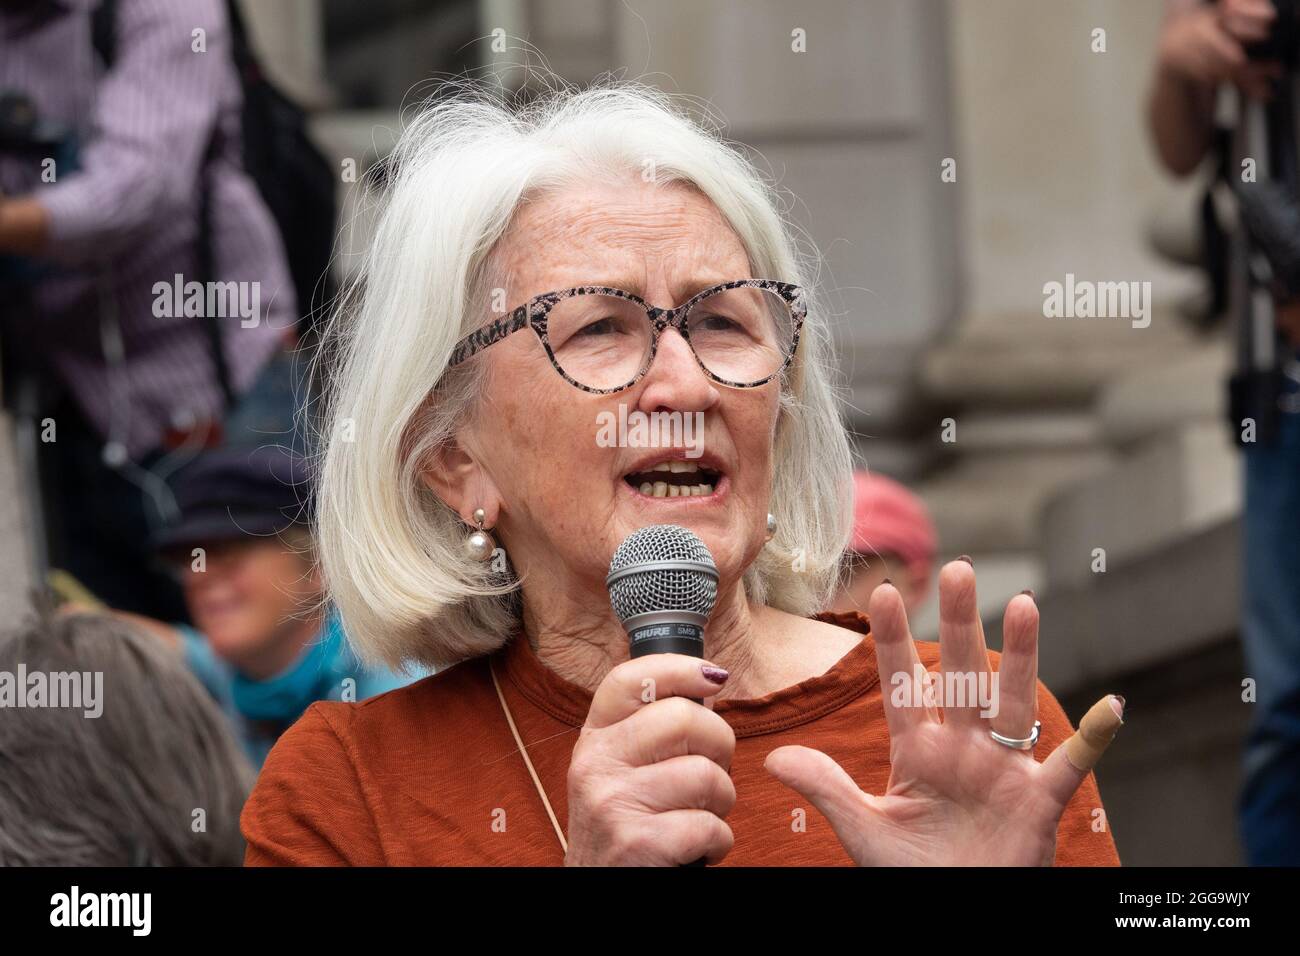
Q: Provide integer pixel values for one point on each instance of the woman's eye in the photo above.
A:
(598, 327)
(716, 323)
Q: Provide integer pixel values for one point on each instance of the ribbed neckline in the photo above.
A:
(851, 676)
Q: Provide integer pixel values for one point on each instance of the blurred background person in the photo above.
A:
(264, 642)
(1251, 46)
(893, 538)
(1202, 45)
(122, 182)
(156, 779)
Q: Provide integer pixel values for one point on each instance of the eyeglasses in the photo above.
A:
(743, 333)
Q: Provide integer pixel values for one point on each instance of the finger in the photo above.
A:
(672, 727)
(684, 836)
(1249, 20)
(685, 783)
(1016, 700)
(963, 655)
(1248, 29)
(829, 788)
(633, 684)
(1226, 53)
(901, 672)
(1068, 765)
(1259, 10)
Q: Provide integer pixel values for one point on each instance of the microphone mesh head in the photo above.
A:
(660, 589)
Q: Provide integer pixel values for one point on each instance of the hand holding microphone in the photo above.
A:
(648, 782)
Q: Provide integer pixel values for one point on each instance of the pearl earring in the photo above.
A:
(771, 526)
(479, 545)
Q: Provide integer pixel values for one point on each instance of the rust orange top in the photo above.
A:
(429, 774)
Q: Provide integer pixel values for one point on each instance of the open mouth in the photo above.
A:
(675, 479)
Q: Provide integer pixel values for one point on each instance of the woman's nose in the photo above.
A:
(675, 379)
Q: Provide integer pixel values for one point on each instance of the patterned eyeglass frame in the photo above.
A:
(536, 311)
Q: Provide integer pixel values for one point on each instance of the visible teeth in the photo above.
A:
(662, 466)
(684, 466)
(663, 489)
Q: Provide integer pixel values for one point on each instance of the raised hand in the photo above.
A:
(956, 796)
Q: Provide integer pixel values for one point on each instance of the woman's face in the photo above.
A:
(251, 597)
(567, 499)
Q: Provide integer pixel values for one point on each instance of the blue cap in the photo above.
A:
(230, 493)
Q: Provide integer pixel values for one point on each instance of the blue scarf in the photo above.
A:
(317, 675)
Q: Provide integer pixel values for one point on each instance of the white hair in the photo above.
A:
(392, 553)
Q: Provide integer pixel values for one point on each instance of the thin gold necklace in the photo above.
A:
(523, 752)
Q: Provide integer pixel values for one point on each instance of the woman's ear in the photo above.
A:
(453, 473)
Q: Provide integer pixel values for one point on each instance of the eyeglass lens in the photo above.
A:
(741, 335)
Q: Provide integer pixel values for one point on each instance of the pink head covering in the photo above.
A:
(889, 519)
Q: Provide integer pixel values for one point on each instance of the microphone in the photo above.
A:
(662, 584)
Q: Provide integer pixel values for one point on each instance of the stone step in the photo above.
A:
(1190, 386)
(990, 502)
(983, 431)
(1029, 360)
(1146, 611)
(1179, 483)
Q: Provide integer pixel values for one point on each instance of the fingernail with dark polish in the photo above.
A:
(715, 674)
(966, 558)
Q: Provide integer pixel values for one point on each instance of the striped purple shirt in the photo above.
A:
(126, 222)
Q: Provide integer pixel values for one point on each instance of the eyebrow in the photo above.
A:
(682, 291)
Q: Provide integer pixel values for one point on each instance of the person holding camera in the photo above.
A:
(145, 288)
(1252, 45)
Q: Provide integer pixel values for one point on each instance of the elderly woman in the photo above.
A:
(534, 271)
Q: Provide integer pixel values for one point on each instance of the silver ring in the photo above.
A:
(1025, 744)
